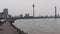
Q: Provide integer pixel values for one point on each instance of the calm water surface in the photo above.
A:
(39, 26)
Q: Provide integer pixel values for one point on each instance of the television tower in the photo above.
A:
(55, 12)
(33, 9)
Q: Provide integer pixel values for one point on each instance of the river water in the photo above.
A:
(39, 26)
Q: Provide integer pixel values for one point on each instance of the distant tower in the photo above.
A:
(55, 12)
(33, 9)
(5, 11)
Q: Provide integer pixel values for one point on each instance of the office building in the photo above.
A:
(5, 11)
(55, 12)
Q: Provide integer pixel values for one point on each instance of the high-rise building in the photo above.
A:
(5, 11)
(55, 12)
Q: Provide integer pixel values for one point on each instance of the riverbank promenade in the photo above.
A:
(7, 28)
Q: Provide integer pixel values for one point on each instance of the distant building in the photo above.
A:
(58, 15)
(2, 16)
(26, 15)
(5, 11)
(21, 15)
(41, 16)
(51, 16)
(9, 16)
(46, 16)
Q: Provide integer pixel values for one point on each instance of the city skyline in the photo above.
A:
(42, 7)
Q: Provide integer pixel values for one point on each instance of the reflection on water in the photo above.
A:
(39, 26)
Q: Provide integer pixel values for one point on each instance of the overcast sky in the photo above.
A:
(42, 7)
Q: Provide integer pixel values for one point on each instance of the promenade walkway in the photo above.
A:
(6, 28)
